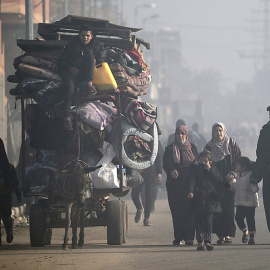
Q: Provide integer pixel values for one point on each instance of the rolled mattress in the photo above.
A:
(151, 138)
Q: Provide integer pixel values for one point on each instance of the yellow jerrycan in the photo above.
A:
(103, 78)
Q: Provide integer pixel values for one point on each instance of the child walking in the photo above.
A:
(245, 199)
(204, 181)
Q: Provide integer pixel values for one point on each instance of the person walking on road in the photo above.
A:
(171, 137)
(177, 158)
(198, 138)
(203, 183)
(149, 175)
(245, 199)
(8, 183)
(261, 168)
(225, 152)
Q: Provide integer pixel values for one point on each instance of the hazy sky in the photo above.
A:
(213, 32)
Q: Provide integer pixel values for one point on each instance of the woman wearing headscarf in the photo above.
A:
(225, 152)
(177, 158)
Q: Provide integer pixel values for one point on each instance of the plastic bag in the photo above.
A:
(106, 176)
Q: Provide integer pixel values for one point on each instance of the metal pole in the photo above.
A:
(66, 11)
(29, 19)
(118, 105)
(44, 10)
(95, 9)
(83, 8)
(135, 16)
(23, 157)
(266, 35)
(122, 12)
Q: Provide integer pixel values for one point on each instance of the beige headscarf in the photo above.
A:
(219, 149)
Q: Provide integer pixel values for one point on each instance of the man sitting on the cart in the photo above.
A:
(76, 65)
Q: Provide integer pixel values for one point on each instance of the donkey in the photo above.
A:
(74, 180)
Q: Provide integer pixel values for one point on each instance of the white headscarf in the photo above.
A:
(219, 149)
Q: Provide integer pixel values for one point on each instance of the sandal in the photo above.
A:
(228, 240)
(220, 241)
(251, 241)
(200, 246)
(177, 243)
(245, 238)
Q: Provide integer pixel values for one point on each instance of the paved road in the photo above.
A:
(147, 248)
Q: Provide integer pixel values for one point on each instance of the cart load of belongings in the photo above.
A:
(120, 67)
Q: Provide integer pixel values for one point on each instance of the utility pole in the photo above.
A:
(266, 49)
(29, 29)
(66, 10)
(122, 13)
(44, 10)
(264, 53)
(83, 8)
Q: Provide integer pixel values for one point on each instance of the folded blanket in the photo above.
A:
(98, 115)
(138, 83)
(45, 93)
(35, 61)
(36, 72)
(128, 91)
(141, 114)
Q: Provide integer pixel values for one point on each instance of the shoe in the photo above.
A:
(68, 123)
(176, 242)
(220, 241)
(138, 216)
(228, 240)
(146, 222)
(251, 241)
(245, 238)
(84, 90)
(92, 90)
(200, 246)
(9, 236)
(189, 242)
(209, 247)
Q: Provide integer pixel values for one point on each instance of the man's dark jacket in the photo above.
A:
(80, 56)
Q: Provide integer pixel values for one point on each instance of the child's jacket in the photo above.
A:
(204, 185)
(243, 197)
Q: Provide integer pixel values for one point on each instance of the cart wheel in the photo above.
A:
(36, 220)
(48, 236)
(125, 226)
(115, 222)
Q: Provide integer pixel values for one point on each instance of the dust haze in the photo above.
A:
(209, 62)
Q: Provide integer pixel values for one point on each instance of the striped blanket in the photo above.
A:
(141, 114)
